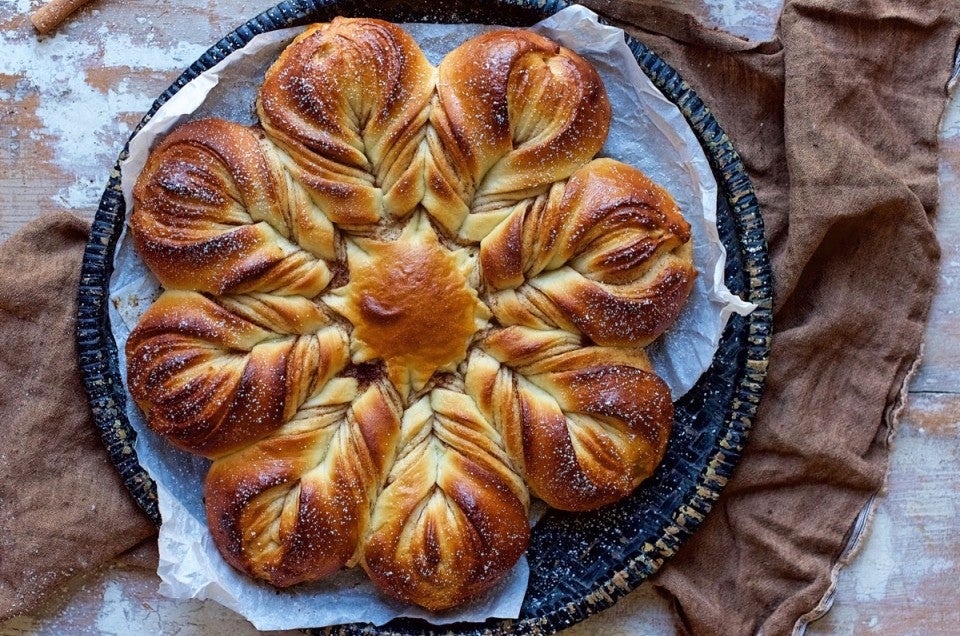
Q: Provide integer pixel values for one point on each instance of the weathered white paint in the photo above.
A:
(76, 119)
(120, 50)
(752, 19)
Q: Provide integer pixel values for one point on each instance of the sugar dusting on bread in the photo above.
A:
(328, 451)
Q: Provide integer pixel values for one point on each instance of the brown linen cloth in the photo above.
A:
(837, 123)
(63, 508)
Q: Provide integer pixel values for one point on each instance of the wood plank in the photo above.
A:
(941, 357)
(904, 581)
(749, 19)
(69, 101)
(124, 600)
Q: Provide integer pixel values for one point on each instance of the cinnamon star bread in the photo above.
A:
(406, 302)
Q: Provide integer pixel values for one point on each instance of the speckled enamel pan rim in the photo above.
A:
(746, 358)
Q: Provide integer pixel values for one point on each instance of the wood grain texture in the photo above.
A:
(69, 101)
(941, 358)
(904, 580)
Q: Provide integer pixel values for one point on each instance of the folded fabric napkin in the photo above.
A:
(63, 508)
(836, 120)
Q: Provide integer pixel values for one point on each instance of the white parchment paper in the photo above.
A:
(647, 131)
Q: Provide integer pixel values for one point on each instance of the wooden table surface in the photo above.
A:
(67, 104)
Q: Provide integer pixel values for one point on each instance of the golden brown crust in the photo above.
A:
(348, 101)
(212, 381)
(452, 519)
(606, 253)
(402, 294)
(585, 424)
(294, 506)
(515, 112)
(210, 212)
(324, 335)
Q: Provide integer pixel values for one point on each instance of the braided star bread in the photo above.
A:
(404, 304)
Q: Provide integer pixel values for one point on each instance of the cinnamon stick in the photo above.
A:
(49, 16)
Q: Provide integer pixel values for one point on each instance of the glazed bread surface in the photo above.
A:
(406, 302)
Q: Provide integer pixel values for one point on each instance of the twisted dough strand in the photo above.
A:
(585, 424)
(606, 254)
(452, 519)
(348, 102)
(301, 514)
(212, 381)
(515, 112)
(211, 211)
